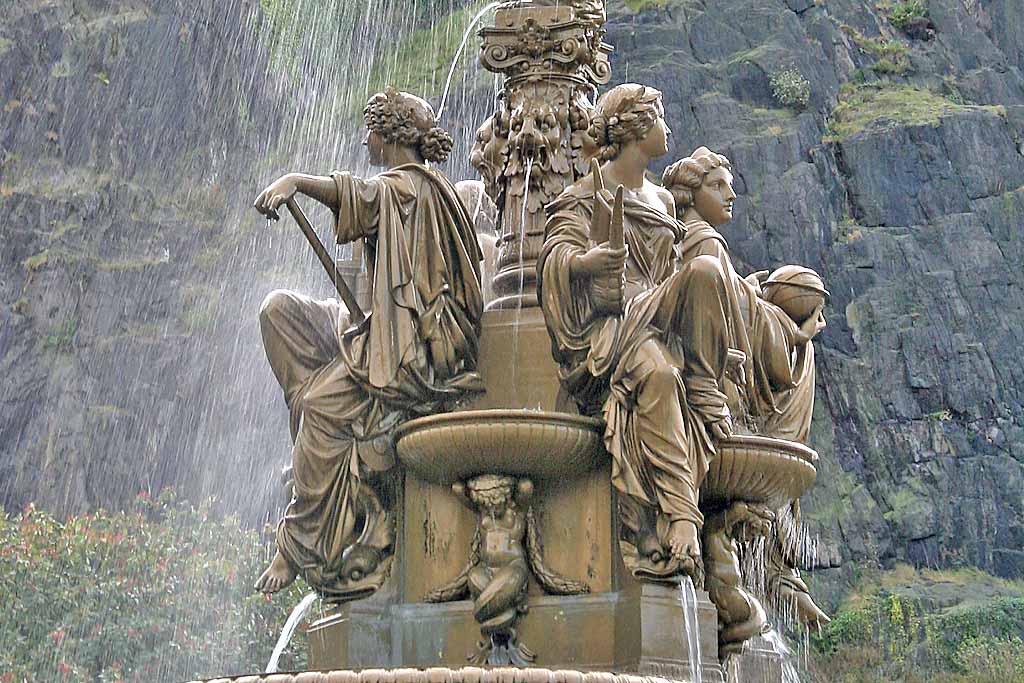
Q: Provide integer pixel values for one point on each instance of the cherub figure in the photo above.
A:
(505, 549)
(740, 615)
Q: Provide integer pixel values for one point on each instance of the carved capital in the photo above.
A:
(529, 41)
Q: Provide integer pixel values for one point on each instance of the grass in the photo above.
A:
(420, 61)
(893, 57)
(905, 11)
(200, 311)
(644, 5)
(62, 338)
(883, 106)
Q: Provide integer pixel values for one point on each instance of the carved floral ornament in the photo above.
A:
(547, 38)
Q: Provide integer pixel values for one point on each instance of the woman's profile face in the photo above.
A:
(655, 143)
(714, 199)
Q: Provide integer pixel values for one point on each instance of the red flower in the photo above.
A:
(65, 670)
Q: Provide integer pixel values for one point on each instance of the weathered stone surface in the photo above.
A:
(916, 228)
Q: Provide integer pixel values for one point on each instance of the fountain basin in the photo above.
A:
(759, 469)
(452, 447)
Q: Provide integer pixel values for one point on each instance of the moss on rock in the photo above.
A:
(875, 107)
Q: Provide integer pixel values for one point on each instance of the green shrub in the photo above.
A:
(892, 637)
(158, 593)
(905, 11)
(791, 89)
(996, 660)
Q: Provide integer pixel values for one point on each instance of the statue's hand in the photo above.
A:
(601, 261)
(753, 520)
(605, 268)
(812, 326)
(721, 430)
(756, 280)
(735, 368)
(271, 199)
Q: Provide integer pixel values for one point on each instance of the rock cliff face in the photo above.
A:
(130, 275)
(901, 182)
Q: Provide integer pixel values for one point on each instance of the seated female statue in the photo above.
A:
(777, 399)
(778, 392)
(638, 337)
(347, 387)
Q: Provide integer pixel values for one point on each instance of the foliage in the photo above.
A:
(889, 636)
(880, 106)
(893, 57)
(644, 5)
(421, 41)
(158, 593)
(62, 338)
(791, 89)
(903, 12)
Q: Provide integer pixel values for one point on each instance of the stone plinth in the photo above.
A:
(639, 629)
(759, 661)
(620, 625)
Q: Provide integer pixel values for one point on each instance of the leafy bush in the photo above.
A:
(791, 89)
(158, 593)
(905, 11)
(891, 637)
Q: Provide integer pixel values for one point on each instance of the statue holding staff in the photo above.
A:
(347, 386)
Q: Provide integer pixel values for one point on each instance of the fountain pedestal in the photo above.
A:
(622, 625)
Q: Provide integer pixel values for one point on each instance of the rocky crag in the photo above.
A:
(880, 147)
(900, 180)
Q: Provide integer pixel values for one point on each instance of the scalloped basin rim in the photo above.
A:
(498, 415)
(793, 448)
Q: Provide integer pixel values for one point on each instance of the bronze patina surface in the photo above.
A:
(566, 480)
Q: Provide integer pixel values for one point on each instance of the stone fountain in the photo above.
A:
(489, 543)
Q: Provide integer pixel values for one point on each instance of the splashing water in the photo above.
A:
(458, 55)
(688, 599)
(789, 672)
(294, 619)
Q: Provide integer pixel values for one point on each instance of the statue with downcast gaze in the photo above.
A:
(347, 386)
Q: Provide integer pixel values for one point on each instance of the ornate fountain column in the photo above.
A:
(553, 59)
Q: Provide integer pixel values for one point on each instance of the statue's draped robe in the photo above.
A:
(347, 387)
(656, 369)
(779, 393)
(780, 383)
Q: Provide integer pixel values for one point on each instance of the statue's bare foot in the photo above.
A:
(277, 576)
(684, 544)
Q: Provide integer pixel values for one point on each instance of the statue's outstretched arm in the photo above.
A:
(321, 188)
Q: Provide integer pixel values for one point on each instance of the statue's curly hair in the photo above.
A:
(684, 177)
(404, 119)
(624, 114)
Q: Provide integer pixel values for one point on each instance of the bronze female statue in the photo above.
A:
(347, 387)
(637, 338)
(777, 397)
(778, 391)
